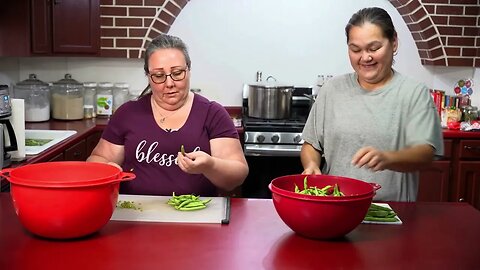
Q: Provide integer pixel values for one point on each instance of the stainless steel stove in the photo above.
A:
(272, 147)
(282, 137)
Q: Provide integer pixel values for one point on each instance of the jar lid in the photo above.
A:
(121, 85)
(68, 81)
(32, 81)
(90, 84)
(105, 84)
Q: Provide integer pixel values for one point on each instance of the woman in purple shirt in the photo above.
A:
(146, 135)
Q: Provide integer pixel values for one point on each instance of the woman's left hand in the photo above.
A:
(371, 158)
(194, 162)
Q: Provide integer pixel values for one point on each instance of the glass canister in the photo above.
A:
(104, 99)
(67, 99)
(36, 95)
(89, 100)
(121, 95)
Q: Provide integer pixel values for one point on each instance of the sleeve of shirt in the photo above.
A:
(313, 132)
(218, 122)
(423, 125)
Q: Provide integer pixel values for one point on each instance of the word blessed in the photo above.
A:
(150, 156)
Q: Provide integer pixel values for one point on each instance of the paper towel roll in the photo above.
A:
(18, 122)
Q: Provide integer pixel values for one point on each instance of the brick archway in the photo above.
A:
(446, 32)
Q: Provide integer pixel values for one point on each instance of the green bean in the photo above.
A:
(382, 219)
(187, 202)
(327, 190)
(182, 149)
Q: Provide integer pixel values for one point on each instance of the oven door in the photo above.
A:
(267, 162)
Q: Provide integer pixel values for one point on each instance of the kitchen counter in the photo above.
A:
(432, 236)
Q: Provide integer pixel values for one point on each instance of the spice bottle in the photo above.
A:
(104, 99)
(120, 95)
(67, 99)
(89, 100)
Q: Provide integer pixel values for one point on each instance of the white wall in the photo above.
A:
(230, 40)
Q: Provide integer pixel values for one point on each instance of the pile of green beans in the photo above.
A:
(129, 205)
(328, 190)
(187, 202)
(380, 213)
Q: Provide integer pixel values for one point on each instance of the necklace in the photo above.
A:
(164, 117)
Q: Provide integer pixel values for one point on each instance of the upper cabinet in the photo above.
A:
(65, 27)
(49, 28)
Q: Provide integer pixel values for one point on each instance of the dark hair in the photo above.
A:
(164, 41)
(374, 15)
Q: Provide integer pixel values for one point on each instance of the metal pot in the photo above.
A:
(269, 100)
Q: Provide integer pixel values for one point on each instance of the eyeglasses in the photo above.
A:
(176, 75)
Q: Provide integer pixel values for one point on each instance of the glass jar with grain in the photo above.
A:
(67, 99)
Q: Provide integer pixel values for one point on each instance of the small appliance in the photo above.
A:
(9, 140)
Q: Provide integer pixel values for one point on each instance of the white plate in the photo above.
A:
(55, 136)
(399, 222)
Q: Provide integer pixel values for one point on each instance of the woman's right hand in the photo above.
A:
(312, 170)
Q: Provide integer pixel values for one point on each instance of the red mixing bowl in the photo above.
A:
(322, 217)
(66, 199)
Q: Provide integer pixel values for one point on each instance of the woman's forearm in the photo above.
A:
(227, 174)
(410, 159)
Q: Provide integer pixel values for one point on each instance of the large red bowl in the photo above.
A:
(66, 199)
(322, 217)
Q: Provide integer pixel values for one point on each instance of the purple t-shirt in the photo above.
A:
(152, 152)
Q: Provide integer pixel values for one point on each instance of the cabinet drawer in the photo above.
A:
(469, 149)
(77, 152)
(447, 148)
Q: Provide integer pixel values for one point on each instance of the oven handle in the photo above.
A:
(273, 150)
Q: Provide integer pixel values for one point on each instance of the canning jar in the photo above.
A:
(36, 95)
(67, 99)
(121, 95)
(104, 99)
(89, 99)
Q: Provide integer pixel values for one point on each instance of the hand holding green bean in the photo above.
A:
(187, 202)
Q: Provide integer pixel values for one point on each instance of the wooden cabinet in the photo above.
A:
(65, 27)
(456, 177)
(435, 181)
(467, 177)
(14, 28)
(49, 28)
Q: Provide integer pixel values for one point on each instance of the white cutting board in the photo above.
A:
(156, 209)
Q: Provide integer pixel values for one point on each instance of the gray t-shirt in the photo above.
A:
(346, 117)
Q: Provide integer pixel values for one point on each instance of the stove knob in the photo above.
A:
(260, 138)
(275, 138)
(297, 138)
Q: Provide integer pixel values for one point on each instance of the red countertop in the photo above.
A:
(432, 236)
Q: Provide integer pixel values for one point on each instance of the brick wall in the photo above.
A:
(446, 32)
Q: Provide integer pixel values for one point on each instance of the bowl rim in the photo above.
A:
(289, 193)
(313, 198)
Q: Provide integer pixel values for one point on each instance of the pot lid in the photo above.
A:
(32, 81)
(269, 84)
(68, 81)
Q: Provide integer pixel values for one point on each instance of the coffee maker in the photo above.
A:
(9, 140)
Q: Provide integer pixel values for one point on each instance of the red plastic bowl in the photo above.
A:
(322, 217)
(66, 199)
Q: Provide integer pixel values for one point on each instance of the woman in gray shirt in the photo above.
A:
(375, 124)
